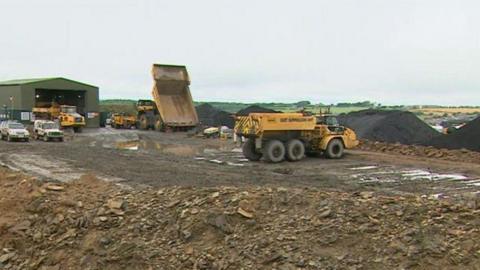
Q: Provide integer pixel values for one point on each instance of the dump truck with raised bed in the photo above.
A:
(172, 97)
(280, 136)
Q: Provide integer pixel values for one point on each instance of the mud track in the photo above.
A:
(161, 159)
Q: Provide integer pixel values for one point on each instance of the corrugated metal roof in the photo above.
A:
(35, 80)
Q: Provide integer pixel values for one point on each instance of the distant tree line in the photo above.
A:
(365, 104)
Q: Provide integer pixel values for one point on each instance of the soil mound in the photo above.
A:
(211, 116)
(389, 126)
(467, 137)
(93, 225)
(457, 155)
(254, 109)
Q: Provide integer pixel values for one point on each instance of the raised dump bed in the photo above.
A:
(172, 96)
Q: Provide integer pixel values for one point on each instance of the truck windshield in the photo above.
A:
(50, 126)
(327, 120)
(145, 103)
(331, 121)
(15, 126)
(69, 109)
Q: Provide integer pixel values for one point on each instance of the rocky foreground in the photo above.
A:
(91, 224)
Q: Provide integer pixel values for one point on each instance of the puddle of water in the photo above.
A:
(475, 183)
(174, 149)
(219, 155)
(235, 164)
(131, 145)
(376, 180)
(415, 173)
(364, 168)
(49, 168)
(426, 175)
(390, 174)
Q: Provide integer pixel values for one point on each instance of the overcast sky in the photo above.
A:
(389, 51)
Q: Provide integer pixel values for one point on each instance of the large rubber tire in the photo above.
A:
(143, 122)
(334, 149)
(295, 150)
(45, 138)
(9, 139)
(274, 151)
(249, 152)
(159, 126)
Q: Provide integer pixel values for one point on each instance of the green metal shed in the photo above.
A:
(18, 97)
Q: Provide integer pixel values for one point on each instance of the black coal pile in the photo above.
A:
(211, 116)
(467, 137)
(254, 109)
(389, 126)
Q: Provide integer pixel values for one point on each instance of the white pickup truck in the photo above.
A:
(11, 130)
(47, 130)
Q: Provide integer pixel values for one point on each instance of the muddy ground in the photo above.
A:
(110, 199)
(163, 159)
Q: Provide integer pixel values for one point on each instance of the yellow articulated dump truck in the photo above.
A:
(173, 100)
(122, 120)
(280, 136)
(65, 114)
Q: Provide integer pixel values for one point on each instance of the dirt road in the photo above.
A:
(162, 159)
(175, 202)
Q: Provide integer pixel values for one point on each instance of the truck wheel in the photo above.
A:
(249, 152)
(9, 139)
(274, 151)
(295, 150)
(45, 138)
(143, 125)
(159, 126)
(334, 149)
